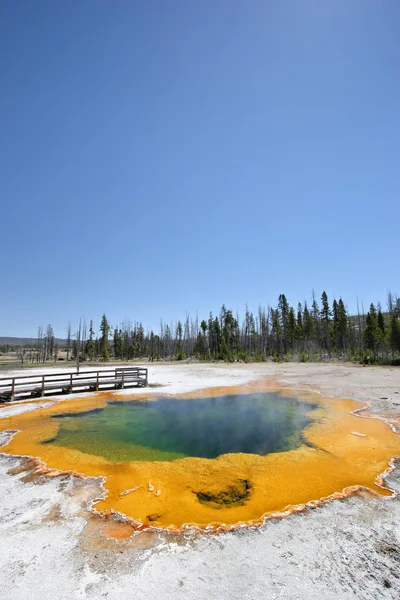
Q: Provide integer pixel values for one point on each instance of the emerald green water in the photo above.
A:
(170, 428)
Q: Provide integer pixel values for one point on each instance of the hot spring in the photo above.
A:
(168, 428)
(218, 458)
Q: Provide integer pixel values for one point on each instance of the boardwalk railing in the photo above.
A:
(37, 386)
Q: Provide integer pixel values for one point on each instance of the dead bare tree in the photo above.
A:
(78, 346)
(68, 339)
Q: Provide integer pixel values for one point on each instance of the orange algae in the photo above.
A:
(232, 489)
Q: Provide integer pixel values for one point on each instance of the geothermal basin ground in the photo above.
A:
(52, 546)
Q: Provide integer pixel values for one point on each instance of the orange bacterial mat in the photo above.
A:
(342, 453)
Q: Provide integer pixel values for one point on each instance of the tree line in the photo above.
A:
(318, 331)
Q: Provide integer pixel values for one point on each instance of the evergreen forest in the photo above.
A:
(322, 330)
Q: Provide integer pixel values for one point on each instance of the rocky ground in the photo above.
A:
(51, 547)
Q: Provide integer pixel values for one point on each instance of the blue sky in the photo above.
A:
(162, 157)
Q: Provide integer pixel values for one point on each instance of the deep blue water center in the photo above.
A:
(171, 428)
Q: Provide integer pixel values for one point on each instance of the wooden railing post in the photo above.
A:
(97, 382)
(43, 378)
(70, 384)
(12, 389)
(123, 373)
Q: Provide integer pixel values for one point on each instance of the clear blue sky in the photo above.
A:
(159, 157)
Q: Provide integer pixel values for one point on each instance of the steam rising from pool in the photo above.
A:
(169, 428)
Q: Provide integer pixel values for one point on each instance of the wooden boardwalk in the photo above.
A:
(38, 386)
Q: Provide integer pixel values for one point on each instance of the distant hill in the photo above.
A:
(19, 341)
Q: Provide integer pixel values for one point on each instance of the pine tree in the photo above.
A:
(263, 341)
(394, 337)
(140, 349)
(299, 331)
(291, 328)
(300, 316)
(371, 330)
(203, 345)
(199, 346)
(152, 346)
(308, 326)
(335, 314)
(381, 322)
(211, 343)
(341, 327)
(117, 344)
(229, 334)
(325, 323)
(90, 346)
(187, 344)
(315, 314)
(276, 332)
(381, 332)
(283, 307)
(104, 341)
(217, 338)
